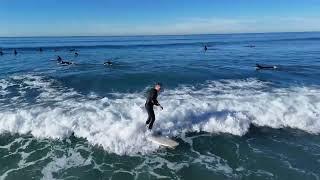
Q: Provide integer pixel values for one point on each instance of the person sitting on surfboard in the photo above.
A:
(151, 101)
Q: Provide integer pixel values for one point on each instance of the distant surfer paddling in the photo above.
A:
(260, 67)
(108, 63)
(60, 61)
(152, 101)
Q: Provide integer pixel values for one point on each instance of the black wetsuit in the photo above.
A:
(151, 101)
(63, 62)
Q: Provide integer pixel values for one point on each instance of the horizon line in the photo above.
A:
(137, 35)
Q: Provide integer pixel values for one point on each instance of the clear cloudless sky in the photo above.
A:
(146, 17)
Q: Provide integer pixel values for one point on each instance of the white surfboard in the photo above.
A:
(163, 141)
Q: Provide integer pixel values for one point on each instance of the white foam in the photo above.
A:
(117, 123)
(73, 159)
(23, 163)
(3, 87)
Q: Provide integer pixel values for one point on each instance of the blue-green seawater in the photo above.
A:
(87, 120)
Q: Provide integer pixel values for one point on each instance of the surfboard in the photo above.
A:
(163, 141)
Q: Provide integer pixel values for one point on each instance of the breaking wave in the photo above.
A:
(116, 122)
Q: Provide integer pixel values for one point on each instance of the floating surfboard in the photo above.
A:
(163, 141)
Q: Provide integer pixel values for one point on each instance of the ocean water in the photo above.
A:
(86, 120)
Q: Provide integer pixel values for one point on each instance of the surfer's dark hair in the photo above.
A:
(158, 84)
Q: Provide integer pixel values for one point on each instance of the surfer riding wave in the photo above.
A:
(150, 102)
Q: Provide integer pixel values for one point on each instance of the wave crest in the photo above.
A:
(117, 122)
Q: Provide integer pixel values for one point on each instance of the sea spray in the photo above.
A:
(117, 122)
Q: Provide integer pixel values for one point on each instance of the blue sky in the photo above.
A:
(148, 17)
